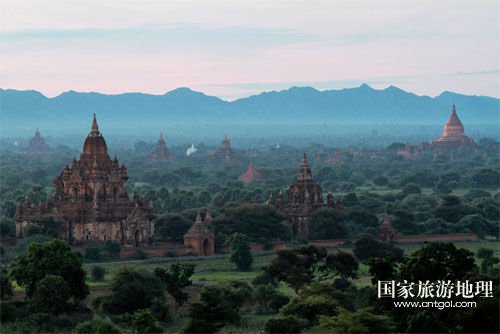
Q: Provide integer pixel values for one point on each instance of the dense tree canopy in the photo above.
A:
(438, 261)
(51, 258)
(259, 223)
(132, 290)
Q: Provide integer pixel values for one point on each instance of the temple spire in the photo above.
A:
(305, 171)
(95, 127)
(198, 218)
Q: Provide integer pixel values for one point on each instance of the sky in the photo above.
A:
(234, 49)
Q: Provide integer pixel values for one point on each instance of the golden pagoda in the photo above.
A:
(453, 134)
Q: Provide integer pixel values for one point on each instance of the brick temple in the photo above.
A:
(225, 154)
(91, 202)
(160, 152)
(304, 197)
(200, 238)
(36, 146)
(251, 175)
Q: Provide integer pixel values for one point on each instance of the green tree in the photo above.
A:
(51, 294)
(132, 290)
(437, 261)
(381, 181)
(404, 222)
(285, 324)
(51, 258)
(366, 247)
(361, 321)
(218, 305)
(328, 224)
(7, 227)
(97, 326)
(93, 254)
(477, 224)
(486, 178)
(172, 226)
(382, 268)
(240, 255)
(176, 279)
(488, 260)
(113, 248)
(317, 299)
(306, 264)
(144, 322)
(260, 223)
(6, 289)
(452, 209)
(97, 273)
(411, 188)
(296, 267)
(269, 299)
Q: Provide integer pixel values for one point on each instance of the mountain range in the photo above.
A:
(25, 110)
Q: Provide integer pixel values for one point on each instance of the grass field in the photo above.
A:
(218, 268)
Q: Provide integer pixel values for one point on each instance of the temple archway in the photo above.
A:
(206, 248)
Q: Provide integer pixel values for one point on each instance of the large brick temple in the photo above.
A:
(304, 197)
(90, 200)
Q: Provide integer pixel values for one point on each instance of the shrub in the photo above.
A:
(288, 324)
(97, 326)
(97, 273)
(143, 321)
(240, 255)
(140, 254)
(170, 253)
(93, 254)
(113, 248)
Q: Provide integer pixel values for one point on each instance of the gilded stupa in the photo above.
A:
(453, 134)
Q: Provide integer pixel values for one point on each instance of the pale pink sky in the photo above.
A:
(237, 48)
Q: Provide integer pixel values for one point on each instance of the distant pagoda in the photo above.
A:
(251, 175)
(36, 145)
(160, 153)
(386, 232)
(225, 153)
(453, 135)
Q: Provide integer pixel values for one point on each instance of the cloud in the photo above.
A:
(486, 72)
(154, 37)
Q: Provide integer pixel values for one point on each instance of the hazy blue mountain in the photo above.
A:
(24, 110)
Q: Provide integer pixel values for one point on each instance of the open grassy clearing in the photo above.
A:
(218, 268)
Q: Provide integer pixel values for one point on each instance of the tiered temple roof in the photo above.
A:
(36, 145)
(91, 201)
(250, 175)
(303, 198)
(386, 231)
(454, 133)
(160, 153)
(225, 153)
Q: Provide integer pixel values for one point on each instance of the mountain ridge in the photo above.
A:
(183, 106)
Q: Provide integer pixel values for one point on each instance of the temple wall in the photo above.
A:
(328, 243)
(436, 237)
